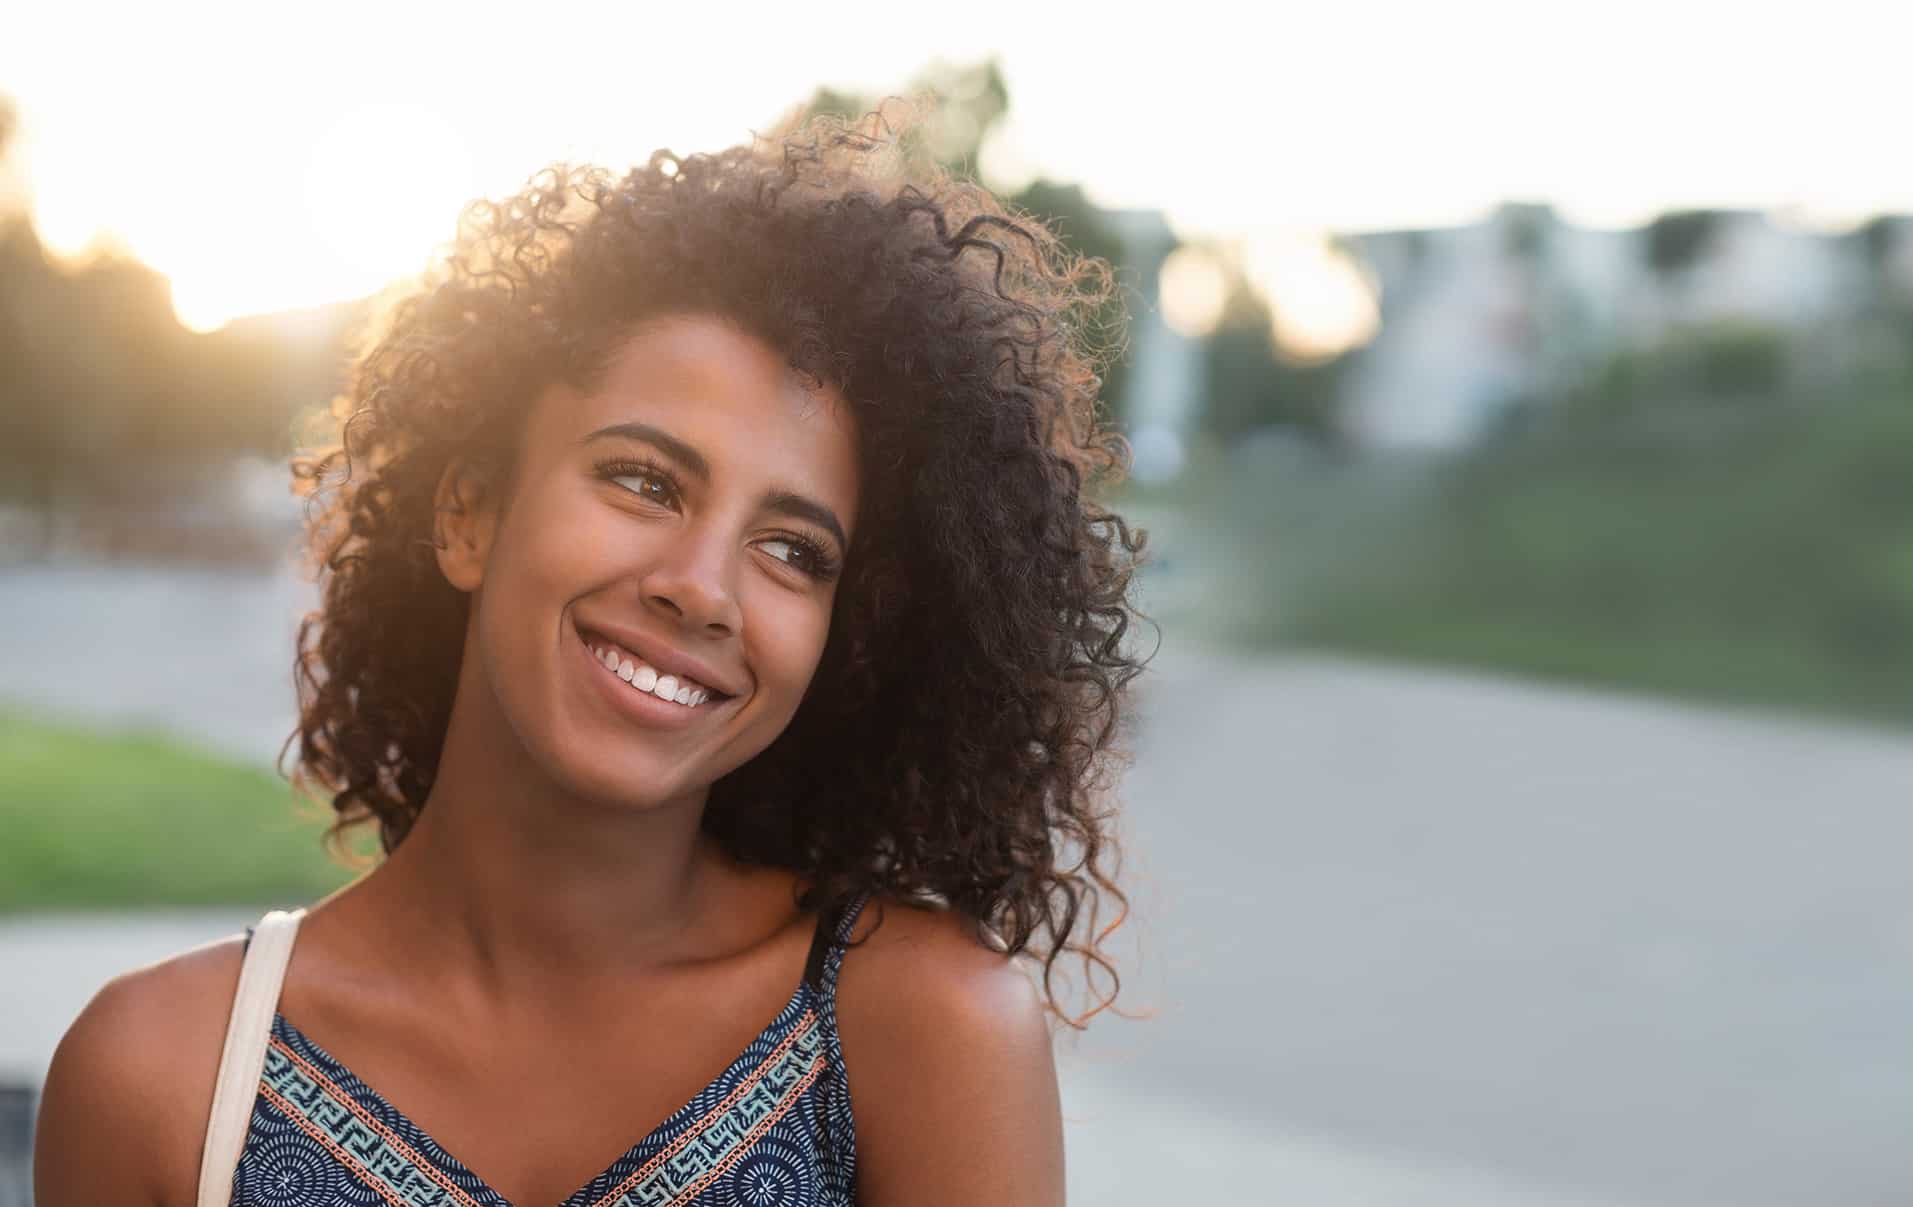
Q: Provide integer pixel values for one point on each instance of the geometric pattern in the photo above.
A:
(774, 1129)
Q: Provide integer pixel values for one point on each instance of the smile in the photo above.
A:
(641, 676)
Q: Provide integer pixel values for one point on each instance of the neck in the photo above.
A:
(506, 876)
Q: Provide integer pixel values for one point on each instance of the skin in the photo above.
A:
(556, 958)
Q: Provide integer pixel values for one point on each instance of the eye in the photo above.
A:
(645, 480)
(800, 554)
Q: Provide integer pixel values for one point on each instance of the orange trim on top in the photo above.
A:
(691, 1133)
(353, 1165)
(751, 1137)
(428, 1167)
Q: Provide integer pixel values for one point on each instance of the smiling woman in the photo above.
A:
(717, 628)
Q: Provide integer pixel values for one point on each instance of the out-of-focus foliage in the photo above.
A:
(1252, 386)
(971, 100)
(1678, 240)
(104, 397)
(100, 375)
(1693, 521)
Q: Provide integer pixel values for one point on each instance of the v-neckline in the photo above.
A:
(599, 1184)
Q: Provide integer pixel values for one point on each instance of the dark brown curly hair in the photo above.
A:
(956, 742)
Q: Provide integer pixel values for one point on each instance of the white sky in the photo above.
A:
(270, 155)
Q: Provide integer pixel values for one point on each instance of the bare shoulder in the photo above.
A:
(124, 1109)
(947, 1047)
(910, 967)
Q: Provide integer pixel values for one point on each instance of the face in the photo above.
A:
(653, 592)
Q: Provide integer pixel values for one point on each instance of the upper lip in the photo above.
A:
(663, 658)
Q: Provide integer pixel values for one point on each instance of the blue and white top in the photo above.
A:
(772, 1130)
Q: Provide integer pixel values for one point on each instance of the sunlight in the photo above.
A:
(254, 183)
(381, 188)
(1322, 303)
(68, 205)
(305, 222)
(1193, 291)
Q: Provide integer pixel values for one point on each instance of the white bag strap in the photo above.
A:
(244, 1058)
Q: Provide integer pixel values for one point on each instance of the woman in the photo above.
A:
(708, 556)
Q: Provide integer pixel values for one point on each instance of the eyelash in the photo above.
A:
(823, 564)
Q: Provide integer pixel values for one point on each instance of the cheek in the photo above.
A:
(544, 554)
(554, 543)
(790, 636)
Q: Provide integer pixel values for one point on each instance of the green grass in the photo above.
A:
(1765, 562)
(123, 819)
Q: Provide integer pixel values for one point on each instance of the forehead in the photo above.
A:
(727, 393)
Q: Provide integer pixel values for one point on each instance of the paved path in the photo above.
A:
(1406, 938)
(1589, 941)
(206, 654)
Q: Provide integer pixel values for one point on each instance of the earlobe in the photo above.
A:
(462, 525)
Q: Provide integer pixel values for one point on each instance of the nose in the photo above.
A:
(691, 582)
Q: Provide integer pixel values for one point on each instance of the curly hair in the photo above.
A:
(956, 742)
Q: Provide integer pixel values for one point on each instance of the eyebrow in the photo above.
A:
(665, 442)
(783, 502)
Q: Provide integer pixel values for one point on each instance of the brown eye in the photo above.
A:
(644, 481)
(644, 484)
(795, 552)
(801, 554)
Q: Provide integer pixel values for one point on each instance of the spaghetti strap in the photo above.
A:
(828, 943)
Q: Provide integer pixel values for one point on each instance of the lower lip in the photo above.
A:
(643, 707)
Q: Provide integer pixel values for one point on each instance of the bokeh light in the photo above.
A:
(1194, 289)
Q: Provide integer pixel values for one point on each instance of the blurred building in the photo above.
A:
(1167, 380)
(1522, 305)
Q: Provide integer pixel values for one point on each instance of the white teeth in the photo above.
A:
(646, 678)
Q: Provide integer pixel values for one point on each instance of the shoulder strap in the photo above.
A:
(827, 944)
(826, 958)
(268, 950)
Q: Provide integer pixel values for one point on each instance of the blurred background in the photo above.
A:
(1522, 405)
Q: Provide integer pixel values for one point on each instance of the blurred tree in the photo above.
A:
(975, 100)
(104, 396)
(1252, 385)
(970, 101)
(27, 428)
(1525, 229)
(1879, 237)
(1879, 334)
(1678, 240)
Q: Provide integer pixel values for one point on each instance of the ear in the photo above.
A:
(464, 520)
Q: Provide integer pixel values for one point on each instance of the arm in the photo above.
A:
(123, 1112)
(952, 1079)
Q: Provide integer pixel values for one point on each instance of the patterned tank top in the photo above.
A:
(772, 1130)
